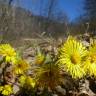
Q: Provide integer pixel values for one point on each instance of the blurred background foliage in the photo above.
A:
(17, 22)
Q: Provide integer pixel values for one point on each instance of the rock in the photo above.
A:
(54, 95)
(85, 90)
(59, 89)
(84, 93)
(85, 43)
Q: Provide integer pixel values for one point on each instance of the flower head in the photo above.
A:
(21, 67)
(71, 55)
(27, 81)
(6, 90)
(30, 81)
(48, 76)
(39, 57)
(8, 52)
(90, 64)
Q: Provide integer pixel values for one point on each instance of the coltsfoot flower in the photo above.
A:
(70, 56)
(48, 76)
(39, 59)
(8, 53)
(6, 90)
(21, 67)
(90, 64)
(27, 81)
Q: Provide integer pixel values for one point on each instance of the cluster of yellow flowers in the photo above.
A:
(73, 57)
(76, 59)
(19, 67)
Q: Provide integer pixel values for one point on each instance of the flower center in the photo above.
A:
(20, 65)
(75, 58)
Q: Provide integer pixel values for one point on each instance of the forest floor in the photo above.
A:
(87, 87)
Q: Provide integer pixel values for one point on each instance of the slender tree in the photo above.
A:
(90, 13)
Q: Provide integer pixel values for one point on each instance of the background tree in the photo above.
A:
(90, 14)
(17, 22)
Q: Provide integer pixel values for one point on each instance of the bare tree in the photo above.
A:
(5, 15)
(10, 1)
(90, 12)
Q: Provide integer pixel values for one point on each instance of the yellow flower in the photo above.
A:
(6, 90)
(21, 67)
(48, 76)
(22, 80)
(90, 64)
(8, 52)
(39, 59)
(71, 55)
(27, 81)
(30, 82)
(1, 88)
